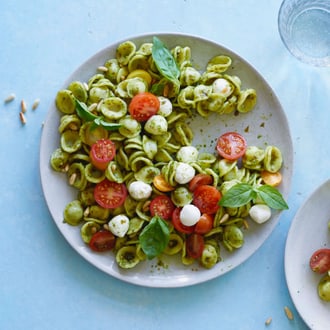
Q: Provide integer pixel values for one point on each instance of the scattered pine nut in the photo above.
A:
(10, 98)
(106, 227)
(86, 212)
(86, 86)
(224, 218)
(72, 178)
(99, 105)
(66, 168)
(73, 126)
(22, 118)
(92, 107)
(23, 106)
(268, 321)
(102, 68)
(35, 104)
(288, 313)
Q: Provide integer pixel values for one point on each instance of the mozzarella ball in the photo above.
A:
(118, 225)
(187, 154)
(184, 173)
(260, 213)
(156, 125)
(189, 215)
(222, 86)
(139, 190)
(165, 108)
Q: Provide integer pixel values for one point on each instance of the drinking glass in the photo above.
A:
(304, 27)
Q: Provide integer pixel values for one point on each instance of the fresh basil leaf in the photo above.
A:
(164, 60)
(154, 237)
(238, 195)
(158, 88)
(83, 111)
(85, 114)
(108, 126)
(272, 197)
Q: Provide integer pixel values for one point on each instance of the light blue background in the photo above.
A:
(44, 283)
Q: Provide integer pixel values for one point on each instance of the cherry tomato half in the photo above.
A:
(320, 261)
(200, 179)
(102, 241)
(102, 152)
(204, 224)
(162, 206)
(231, 145)
(206, 198)
(143, 106)
(195, 245)
(110, 194)
(178, 225)
(161, 184)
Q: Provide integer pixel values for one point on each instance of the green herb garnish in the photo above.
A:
(85, 114)
(165, 62)
(154, 237)
(243, 193)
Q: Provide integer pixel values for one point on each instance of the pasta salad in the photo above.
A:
(143, 189)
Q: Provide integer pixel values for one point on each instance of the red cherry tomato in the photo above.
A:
(143, 106)
(195, 245)
(102, 241)
(231, 145)
(200, 179)
(102, 152)
(204, 224)
(178, 225)
(206, 198)
(162, 206)
(320, 261)
(110, 194)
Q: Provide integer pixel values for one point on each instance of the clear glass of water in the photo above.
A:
(304, 27)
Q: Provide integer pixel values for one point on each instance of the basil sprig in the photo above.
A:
(165, 64)
(243, 193)
(154, 237)
(85, 114)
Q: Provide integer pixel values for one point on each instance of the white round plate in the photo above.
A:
(266, 124)
(308, 233)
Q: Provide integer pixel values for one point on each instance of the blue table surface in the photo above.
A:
(44, 283)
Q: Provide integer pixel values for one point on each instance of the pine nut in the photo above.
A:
(102, 68)
(72, 178)
(10, 98)
(23, 106)
(224, 218)
(35, 104)
(288, 313)
(22, 118)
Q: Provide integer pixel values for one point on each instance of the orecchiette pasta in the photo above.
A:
(160, 147)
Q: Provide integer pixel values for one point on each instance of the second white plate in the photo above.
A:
(308, 233)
